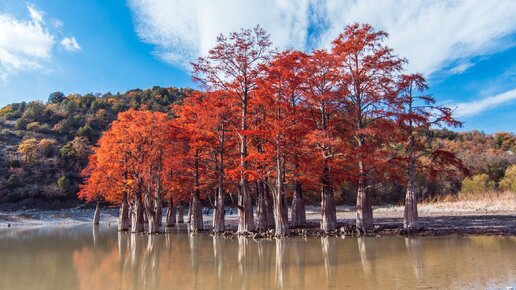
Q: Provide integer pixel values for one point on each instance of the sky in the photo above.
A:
(465, 49)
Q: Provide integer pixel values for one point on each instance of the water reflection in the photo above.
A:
(416, 258)
(330, 255)
(105, 259)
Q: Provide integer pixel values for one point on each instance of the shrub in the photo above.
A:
(13, 181)
(34, 126)
(21, 124)
(477, 183)
(509, 180)
(6, 132)
(64, 184)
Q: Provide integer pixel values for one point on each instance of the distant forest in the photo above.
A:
(45, 146)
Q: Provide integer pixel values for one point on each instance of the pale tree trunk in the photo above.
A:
(196, 222)
(261, 206)
(137, 215)
(171, 214)
(96, 216)
(219, 224)
(245, 205)
(123, 217)
(189, 212)
(269, 206)
(151, 214)
(280, 207)
(180, 213)
(159, 210)
(364, 210)
(329, 211)
(298, 206)
(410, 216)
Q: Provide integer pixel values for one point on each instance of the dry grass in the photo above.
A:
(493, 201)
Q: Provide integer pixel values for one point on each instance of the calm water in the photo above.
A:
(82, 258)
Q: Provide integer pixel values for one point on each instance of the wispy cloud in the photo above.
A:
(431, 34)
(478, 106)
(70, 44)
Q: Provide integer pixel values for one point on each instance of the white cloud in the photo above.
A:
(431, 34)
(183, 29)
(461, 67)
(70, 44)
(23, 44)
(477, 106)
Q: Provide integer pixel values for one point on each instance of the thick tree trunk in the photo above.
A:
(269, 206)
(170, 219)
(123, 217)
(298, 206)
(137, 224)
(150, 213)
(151, 222)
(364, 209)
(329, 211)
(410, 216)
(219, 224)
(245, 209)
(189, 212)
(261, 206)
(196, 222)
(180, 213)
(96, 215)
(159, 212)
(280, 206)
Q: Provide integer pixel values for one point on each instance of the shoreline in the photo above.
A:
(387, 222)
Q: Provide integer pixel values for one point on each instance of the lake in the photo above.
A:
(82, 257)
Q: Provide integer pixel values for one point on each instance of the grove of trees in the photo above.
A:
(268, 125)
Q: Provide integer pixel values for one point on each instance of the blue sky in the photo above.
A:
(466, 49)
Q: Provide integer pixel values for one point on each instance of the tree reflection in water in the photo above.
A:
(416, 258)
(177, 260)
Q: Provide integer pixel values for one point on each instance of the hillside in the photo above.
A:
(44, 146)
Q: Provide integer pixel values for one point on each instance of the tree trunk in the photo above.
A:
(298, 206)
(189, 212)
(180, 213)
(150, 213)
(137, 225)
(280, 206)
(196, 222)
(219, 224)
(159, 212)
(329, 211)
(96, 216)
(123, 217)
(261, 206)
(269, 206)
(410, 216)
(245, 205)
(170, 219)
(364, 210)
